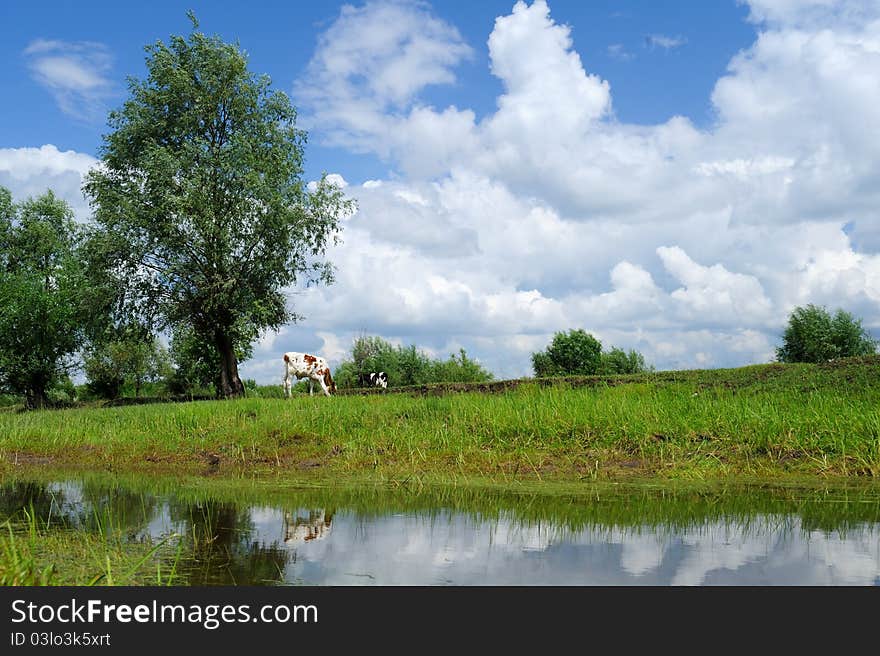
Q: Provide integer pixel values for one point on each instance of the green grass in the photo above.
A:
(762, 421)
(33, 552)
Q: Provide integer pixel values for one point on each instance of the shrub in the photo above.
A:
(577, 353)
(405, 365)
(813, 335)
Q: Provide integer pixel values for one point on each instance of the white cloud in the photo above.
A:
(334, 349)
(665, 42)
(75, 73)
(619, 51)
(810, 13)
(714, 295)
(745, 169)
(368, 68)
(387, 51)
(31, 171)
(689, 245)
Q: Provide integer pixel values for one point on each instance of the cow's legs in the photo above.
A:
(311, 382)
(286, 384)
(324, 387)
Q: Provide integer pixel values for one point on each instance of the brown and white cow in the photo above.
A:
(299, 528)
(305, 365)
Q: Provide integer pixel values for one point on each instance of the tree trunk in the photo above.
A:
(36, 398)
(230, 383)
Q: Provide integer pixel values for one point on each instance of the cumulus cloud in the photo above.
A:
(663, 41)
(75, 73)
(367, 70)
(689, 244)
(385, 52)
(714, 294)
(810, 13)
(31, 171)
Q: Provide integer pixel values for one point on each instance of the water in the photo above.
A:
(263, 535)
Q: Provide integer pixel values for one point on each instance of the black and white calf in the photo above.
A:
(374, 379)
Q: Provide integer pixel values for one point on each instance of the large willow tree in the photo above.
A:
(203, 216)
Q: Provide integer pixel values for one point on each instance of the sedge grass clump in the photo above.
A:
(18, 565)
(34, 552)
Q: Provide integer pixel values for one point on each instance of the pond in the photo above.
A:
(284, 535)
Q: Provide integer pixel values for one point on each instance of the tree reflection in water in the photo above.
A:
(214, 547)
(219, 548)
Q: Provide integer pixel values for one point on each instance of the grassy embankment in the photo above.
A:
(757, 422)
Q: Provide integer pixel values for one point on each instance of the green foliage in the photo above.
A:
(346, 375)
(813, 335)
(17, 565)
(369, 352)
(412, 366)
(570, 353)
(196, 364)
(461, 369)
(203, 216)
(255, 391)
(577, 353)
(42, 550)
(405, 365)
(618, 361)
(130, 360)
(43, 295)
(63, 392)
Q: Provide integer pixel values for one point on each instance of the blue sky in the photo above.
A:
(673, 177)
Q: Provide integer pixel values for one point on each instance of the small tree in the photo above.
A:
(104, 375)
(413, 366)
(461, 369)
(131, 359)
(370, 353)
(405, 365)
(577, 353)
(813, 335)
(618, 361)
(570, 353)
(42, 295)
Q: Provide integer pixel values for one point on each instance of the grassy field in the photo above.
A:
(760, 422)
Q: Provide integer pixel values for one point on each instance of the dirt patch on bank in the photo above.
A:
(29, 459)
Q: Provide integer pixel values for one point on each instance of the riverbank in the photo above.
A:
(766, 422)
